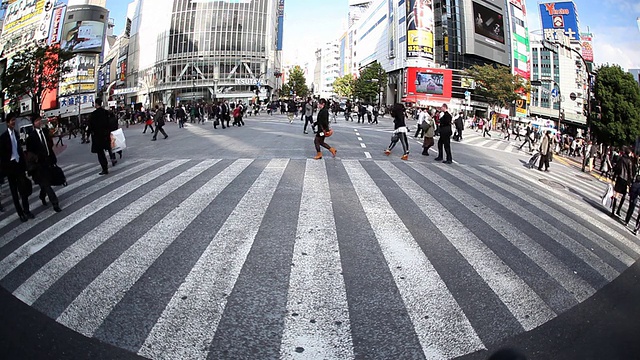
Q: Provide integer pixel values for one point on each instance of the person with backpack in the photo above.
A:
(237, 115)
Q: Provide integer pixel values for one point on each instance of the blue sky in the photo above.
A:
(309, 23)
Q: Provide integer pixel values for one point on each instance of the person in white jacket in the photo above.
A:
(421, 121)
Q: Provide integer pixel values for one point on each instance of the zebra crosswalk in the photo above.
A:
(298, 259)
(495, 142)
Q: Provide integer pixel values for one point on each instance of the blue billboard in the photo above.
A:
(561, 15)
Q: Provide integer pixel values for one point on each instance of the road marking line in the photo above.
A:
(363, 145)
(87, 311)
(446, 332)
(367, 155)
(189, 322)
(317, 299)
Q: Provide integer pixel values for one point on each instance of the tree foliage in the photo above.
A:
(371, 81)
(344, 86)
(618, 95)
(35, 72)
(497, 84)
(296, 84)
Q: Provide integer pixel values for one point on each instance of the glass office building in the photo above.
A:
(196, 50)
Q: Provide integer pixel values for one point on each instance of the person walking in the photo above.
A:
(308, 114)
(322, 123)
(148, 124)
(100, 135)
(444, 142)
(546, 147)
(399, 131)
(623, 173)
(420, 123)
(158, 118)
(634, 191)
(14, 165)
(459, 123)
(527, 137)
(428, 135)
(40, 148)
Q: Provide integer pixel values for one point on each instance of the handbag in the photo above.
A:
(57, 176)
(328, 133)
(607, 198)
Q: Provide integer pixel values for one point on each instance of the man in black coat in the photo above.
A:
(100, 134)
(14, 166)
(445, 135)
(40, 148)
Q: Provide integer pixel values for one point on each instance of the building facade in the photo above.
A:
(327, 69)
(182, 50)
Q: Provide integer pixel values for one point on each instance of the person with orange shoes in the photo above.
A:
(322, 123)
(399, 131)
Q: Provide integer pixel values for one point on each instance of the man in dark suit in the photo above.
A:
(14, 166)
(40, 148)
(444, 143)
(100, 134)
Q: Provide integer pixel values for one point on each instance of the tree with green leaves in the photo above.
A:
(35, 72)
(296, 84)
(618, 96)
(344, 86)
(371, 81)
(497, 84)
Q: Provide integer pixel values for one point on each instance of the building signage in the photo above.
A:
(246, 82)
(42, 32)
(392, 30)
(521, 108)
(279, 38)
(125, 91)
(420, 29)
(70, 104)
(84, 29)
(22, 13)
(561, 15)
(521, 48)
(56, 25)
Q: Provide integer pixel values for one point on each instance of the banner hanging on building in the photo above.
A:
(420, 29)
(279, 39)
(587, 46)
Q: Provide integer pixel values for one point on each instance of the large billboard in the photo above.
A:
(84, 29)
(419, 29)
(520, 47)
(56, 25)
(24, 22)
(561, 15)
(486, 30)
(82, 77)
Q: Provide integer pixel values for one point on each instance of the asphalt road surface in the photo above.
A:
(236, 244)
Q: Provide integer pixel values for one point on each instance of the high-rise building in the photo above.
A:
(636, 75)
(182, 50)
(327, 69)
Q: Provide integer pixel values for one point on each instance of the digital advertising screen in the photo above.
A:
(420, 29)
(488, 23)
(430, 83)
(83, 36)
(84, 29)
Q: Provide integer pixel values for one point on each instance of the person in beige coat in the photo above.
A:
(429, 132)
(546, 147)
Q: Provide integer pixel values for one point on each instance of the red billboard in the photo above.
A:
(424, 84)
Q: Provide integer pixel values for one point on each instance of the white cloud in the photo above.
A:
(617, 45)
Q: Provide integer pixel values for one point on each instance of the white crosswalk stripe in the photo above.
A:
(574, 248)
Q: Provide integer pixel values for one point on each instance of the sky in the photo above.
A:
(310, 23)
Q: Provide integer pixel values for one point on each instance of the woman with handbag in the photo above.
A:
(428, 136)
(322, 123)
(399, 132)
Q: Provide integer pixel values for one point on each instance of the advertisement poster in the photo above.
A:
(521, 108)
(392, 30)
(56, 25)
(82, 77)
(560, 15)
(587, 46)
(420, 29)
(429, 83)
(488, 23)
(22, 13)
(279, 39)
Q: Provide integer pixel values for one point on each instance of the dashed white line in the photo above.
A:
(367, 155)
(359, 139)
(363, 145)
